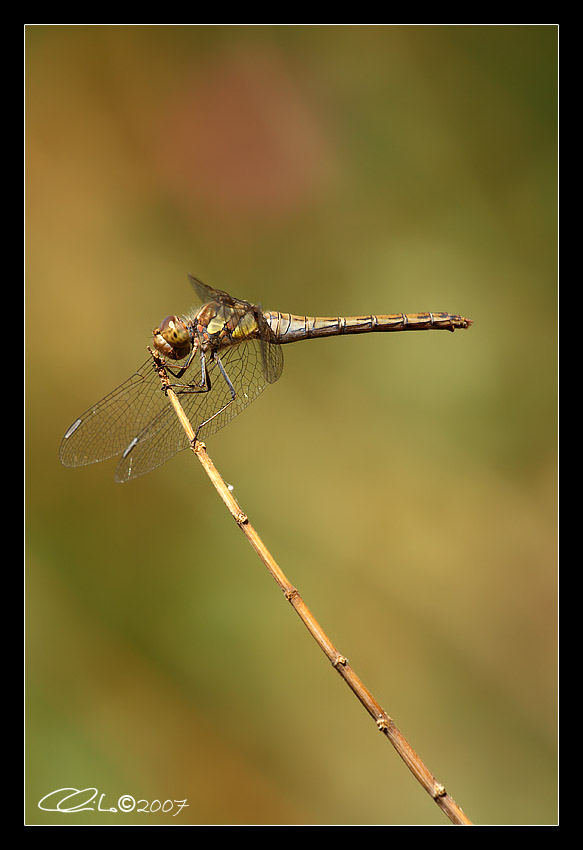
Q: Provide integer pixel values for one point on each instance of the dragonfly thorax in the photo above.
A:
(172, 338)
(219, 326)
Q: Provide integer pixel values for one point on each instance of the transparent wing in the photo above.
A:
(271, 353)
(137, 421)
(207, 293)
(107, 428)
(164, 437)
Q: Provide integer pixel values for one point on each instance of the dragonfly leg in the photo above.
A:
(205, 383)
(224, 407)
(182, 369)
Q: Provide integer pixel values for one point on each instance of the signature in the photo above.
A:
(72, 800)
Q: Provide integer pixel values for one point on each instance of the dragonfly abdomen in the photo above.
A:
(288, 327)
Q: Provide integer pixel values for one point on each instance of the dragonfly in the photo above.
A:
(218, 360)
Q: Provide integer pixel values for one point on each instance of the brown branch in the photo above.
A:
(385, 723)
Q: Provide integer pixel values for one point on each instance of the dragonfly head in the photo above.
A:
(172, 338)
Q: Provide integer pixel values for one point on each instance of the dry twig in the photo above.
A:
(385, 723)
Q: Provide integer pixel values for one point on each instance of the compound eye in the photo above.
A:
(174, 331)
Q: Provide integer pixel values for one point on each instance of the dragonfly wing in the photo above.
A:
(137, 421)
(107, 428)
(272, 360)
(206, 293)
(160, 440)
(163, 437)
(271, 353)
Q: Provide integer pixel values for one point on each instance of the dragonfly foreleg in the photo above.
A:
(205, 380)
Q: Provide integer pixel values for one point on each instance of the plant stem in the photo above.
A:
(385, 723)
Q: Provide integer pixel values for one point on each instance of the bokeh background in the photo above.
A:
(406, 483)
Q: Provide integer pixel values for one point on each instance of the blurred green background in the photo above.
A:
(406, 484)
